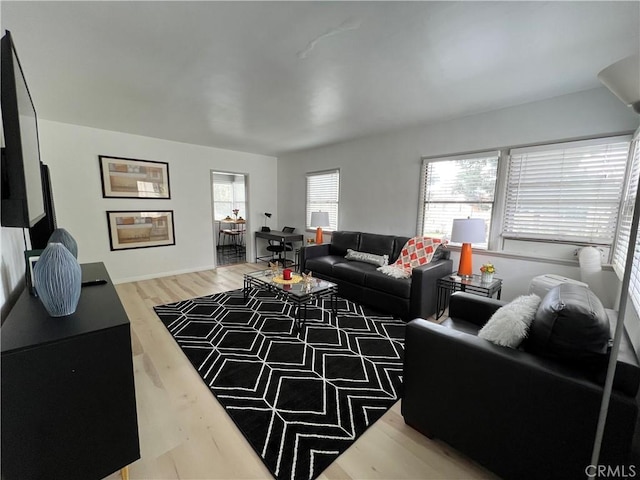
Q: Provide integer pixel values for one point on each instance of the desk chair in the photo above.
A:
(281, 248)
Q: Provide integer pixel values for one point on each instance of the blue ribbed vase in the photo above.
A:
(58, 280)
(60, 235)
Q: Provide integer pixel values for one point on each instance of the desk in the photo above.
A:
(277, 236)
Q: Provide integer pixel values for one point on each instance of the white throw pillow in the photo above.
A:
(395, 272)
(509, 325)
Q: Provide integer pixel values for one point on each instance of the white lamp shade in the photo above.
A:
(468, 230)
(320, 219)
(623, 79)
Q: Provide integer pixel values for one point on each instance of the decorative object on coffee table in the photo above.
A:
(307, 281)
(467, 231)
(294, 278)
(60, 235)
(58, 278)
(307, 278)
(275, 268)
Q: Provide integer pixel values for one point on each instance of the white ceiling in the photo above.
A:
(272, 77)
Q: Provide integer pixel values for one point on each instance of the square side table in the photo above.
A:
(447, 285)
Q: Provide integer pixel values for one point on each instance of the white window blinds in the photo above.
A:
(626, 210)
(566, 192)
(323, 195)
(457, 188)
(624, 225)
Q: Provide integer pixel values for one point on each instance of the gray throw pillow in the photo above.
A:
(379, 260)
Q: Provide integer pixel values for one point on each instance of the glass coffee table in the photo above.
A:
(299, 294)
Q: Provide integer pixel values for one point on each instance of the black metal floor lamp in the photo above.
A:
(617, 338)
(623, 80)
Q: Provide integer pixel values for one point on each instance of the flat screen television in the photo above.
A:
(23, 203)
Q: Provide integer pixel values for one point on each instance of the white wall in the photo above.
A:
(379, 182)
(380, 174)
(12, 266)
(72, 155)
(518, 272)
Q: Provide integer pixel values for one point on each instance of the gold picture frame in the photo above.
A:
(140, 229)
(31, 257)
(131, 178)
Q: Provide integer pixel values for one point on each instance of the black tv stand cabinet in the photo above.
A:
(67, 392)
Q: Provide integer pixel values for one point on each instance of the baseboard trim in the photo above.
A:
(139, 278)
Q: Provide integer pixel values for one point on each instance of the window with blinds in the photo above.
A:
(323, 195)
(227, 196)
(457, 187)
(626, 210)
(566, 192)
(624, 225)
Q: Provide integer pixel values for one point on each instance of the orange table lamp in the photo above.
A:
(319, 220)
(467, 231)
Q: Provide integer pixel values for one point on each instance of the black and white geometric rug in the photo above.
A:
(300, 400)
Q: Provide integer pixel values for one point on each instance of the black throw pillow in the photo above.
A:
(439, 254)
(570, 324)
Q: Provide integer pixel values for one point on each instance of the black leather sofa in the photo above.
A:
(521, 415)
(404, 297)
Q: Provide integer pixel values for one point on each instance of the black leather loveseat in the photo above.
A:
(520, 414)
(404, 297)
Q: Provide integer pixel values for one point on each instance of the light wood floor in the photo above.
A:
(186, 434)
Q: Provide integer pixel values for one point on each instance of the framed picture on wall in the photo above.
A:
(31, 257)
(139, 229)
(130, 178)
